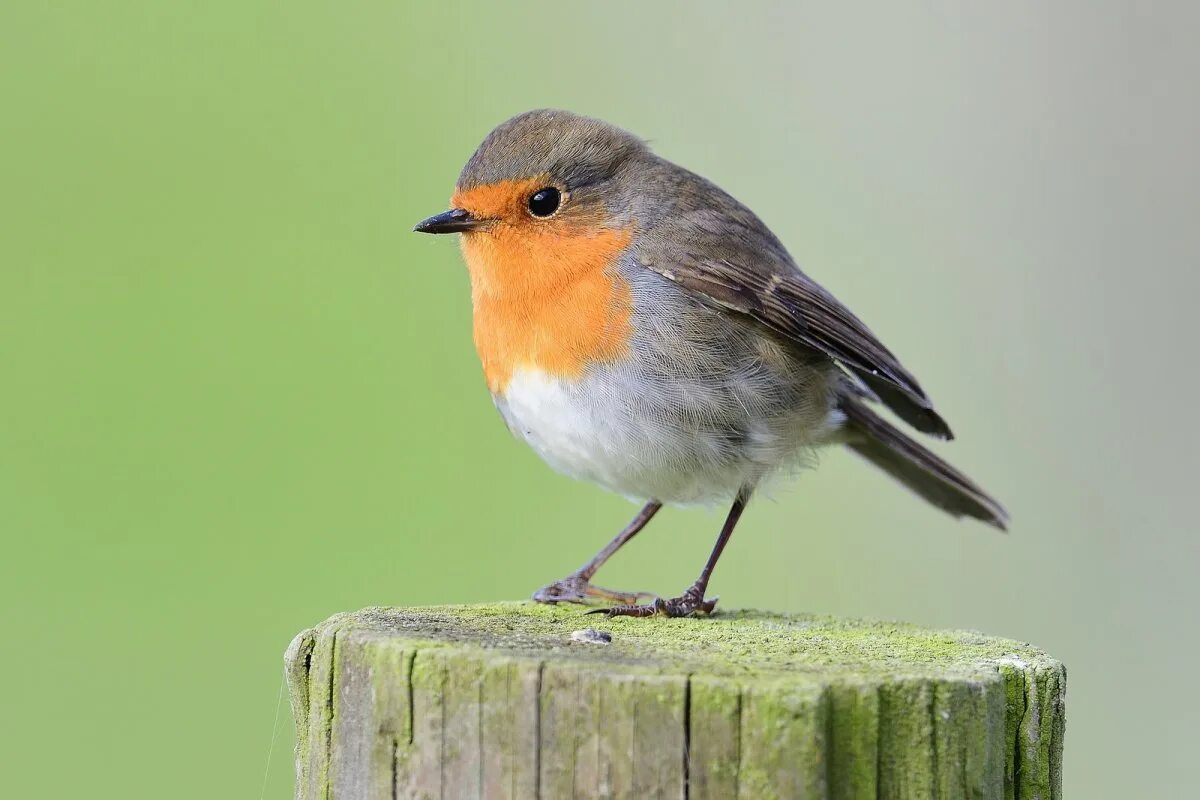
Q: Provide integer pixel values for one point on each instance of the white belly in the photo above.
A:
(615, 429)
(567, 430)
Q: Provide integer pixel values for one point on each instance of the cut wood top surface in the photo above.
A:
(731, 642)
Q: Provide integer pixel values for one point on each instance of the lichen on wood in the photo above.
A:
(502, 701)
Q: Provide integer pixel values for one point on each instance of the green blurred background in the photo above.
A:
(239, 395)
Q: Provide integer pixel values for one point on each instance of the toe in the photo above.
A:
(559, 593)
(618, 597)
(676, 607)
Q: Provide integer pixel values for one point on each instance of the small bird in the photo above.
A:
(640, 328)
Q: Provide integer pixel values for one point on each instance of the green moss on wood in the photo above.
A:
(715, 708)
(854, 740)
(499, 701)
(784, 747)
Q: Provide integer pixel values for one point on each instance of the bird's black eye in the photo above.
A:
(544, 202)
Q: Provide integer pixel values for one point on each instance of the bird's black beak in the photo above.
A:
(456, 220)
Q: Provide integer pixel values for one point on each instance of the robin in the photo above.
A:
(642, 329)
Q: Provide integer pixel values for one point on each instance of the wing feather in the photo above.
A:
(794, 306)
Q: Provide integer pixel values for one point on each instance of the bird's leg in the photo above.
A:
(576, 587)
(693, 599)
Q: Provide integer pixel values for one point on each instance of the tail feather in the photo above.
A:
(881, 443)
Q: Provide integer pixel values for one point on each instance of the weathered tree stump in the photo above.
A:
(522, 701)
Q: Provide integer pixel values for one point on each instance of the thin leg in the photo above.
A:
(575, 588)
(692, 600)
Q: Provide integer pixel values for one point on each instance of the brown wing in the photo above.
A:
(795, 306)
(703, 239)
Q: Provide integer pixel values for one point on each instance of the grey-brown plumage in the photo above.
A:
(723, 363)
(878, 441)
(707, 242)
(691, 232)
(710, 243)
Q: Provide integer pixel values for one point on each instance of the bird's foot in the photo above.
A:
(691, 602)
(576, 589)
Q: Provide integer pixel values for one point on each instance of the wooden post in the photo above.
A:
(522, 701)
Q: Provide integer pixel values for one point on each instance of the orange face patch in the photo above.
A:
(545, 293)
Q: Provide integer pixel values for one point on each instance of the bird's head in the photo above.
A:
(542, 171)
(547, 196)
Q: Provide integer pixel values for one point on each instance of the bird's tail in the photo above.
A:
(881, 443)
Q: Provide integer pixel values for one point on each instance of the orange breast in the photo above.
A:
(547, 297)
